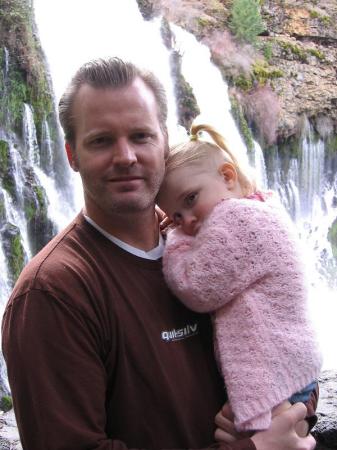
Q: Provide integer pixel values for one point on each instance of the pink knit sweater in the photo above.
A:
(245, 266)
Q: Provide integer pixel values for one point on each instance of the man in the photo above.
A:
(99, 353)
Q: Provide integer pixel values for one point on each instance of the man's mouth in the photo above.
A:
(124, 179)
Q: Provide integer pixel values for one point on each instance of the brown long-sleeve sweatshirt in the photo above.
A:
(101, 356)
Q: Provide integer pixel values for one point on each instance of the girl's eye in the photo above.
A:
(190, 199)
(176, 218)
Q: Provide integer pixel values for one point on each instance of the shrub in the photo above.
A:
(246, 21)
(6, 403)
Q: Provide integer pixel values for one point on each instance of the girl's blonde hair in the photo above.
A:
(196, 149)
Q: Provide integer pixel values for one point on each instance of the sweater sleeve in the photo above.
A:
(228, 255)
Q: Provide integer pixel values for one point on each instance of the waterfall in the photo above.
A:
(29, 133)
(117, 29)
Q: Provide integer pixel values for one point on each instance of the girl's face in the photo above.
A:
(189, 193)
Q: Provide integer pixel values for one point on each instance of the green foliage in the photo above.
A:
(326, 20)
(246, 21)
(36, 204)
(6, 403)
(187, 105)
(4, 157)
(294, 50)
(27, 81)
(17, 256)
(6, 175)
(243, 82)
(267, 51)
(263, 72)
(203, 22)
(319, 55)
(301, 53)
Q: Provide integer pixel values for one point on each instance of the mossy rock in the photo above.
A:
(166, 33)
(7, 169)
(331, 144)
(39, 226)
(332, 237)
(146, 9)
(6, 403)
(2, 209)
(13, 249)
(242, 124)
(187, 106)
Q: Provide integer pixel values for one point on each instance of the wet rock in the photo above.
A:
(325, 431)
(9, 436)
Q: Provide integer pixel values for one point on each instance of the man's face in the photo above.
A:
(119, 149)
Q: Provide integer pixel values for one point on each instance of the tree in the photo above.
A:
(246, 21)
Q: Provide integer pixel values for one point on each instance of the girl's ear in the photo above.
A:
(228, 171)
(71, 157)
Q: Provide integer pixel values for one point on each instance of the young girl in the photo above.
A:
(234, 252)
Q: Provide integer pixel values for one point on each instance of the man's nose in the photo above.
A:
(124, 154)
(188, 223)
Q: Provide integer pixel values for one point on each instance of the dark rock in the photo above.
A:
(146, 9)
(39, 226)
(325, 432)
(187, 106)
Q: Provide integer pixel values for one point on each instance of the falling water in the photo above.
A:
(310, 198)
(29, 133)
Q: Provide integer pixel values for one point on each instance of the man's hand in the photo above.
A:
(282, 434)
(163, 219)
(226, 431)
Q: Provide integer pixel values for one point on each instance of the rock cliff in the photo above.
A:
(290, 72)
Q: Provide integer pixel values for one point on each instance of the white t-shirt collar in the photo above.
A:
(154, 254)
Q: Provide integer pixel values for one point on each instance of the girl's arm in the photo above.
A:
(227, 256)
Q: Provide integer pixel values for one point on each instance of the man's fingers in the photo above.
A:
(221, 436)
(296, 413)
(225, 424)
(227, 411)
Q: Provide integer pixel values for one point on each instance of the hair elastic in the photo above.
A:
(193, 137)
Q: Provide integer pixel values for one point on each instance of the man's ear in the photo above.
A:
(71, 157)
(228, 171)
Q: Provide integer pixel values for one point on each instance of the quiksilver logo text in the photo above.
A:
(181, 333)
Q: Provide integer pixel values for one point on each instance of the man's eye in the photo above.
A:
(100, 141)
(190, 199)
(142, 137)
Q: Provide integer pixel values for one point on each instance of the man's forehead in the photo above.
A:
(135, 86)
